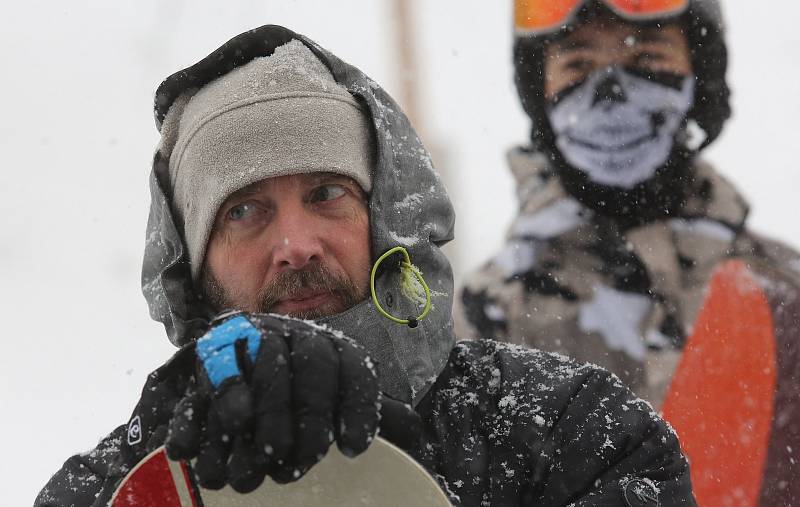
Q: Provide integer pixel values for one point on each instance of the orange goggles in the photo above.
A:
(534, 17)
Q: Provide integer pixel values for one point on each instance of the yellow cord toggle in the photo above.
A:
(412, 285)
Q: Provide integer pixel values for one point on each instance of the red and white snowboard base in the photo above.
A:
(383, 475)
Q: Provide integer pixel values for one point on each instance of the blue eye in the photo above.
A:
(327, 193)
(241, 211)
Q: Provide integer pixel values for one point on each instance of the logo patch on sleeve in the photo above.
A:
(640, 493)
(135, 431)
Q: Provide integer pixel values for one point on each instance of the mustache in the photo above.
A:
(316, 278)
(286, 285)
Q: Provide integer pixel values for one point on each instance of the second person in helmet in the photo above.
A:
(622, 227)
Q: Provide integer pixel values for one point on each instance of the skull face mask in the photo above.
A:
(619, 128)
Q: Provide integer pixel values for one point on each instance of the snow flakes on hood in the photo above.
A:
(410, 203)
(406, 241)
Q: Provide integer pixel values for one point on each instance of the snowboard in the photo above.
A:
(382, 475)
(721, 398)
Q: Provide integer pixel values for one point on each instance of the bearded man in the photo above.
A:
(293, 254)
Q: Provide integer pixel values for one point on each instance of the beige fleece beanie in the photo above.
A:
(274, 116)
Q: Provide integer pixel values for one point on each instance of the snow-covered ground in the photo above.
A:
(77, 136)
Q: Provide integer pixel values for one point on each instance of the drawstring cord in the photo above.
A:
(412, 286)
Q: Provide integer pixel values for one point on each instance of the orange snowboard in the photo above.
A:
(720, 401)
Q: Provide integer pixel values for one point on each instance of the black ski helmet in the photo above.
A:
(705, 31)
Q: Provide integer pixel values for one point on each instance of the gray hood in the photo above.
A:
(408, 207)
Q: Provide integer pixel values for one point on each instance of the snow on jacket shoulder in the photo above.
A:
(82, 480)
(506, 425)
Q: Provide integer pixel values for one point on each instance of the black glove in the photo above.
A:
(270, 396)
(399, 424)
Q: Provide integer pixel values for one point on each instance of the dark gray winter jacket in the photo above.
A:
(503, 425)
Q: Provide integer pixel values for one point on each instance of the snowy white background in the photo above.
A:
(77, 135)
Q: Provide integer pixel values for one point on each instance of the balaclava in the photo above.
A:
(617, 127)
(243, 127)
(623, 143)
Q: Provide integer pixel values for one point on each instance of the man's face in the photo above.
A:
(295, 245)
(605, 41)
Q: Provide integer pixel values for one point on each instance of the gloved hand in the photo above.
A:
(271, 394)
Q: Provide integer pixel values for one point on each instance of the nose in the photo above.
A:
(609, 90)
(297, 243)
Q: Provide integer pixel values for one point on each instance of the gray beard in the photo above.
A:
(318, 277)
